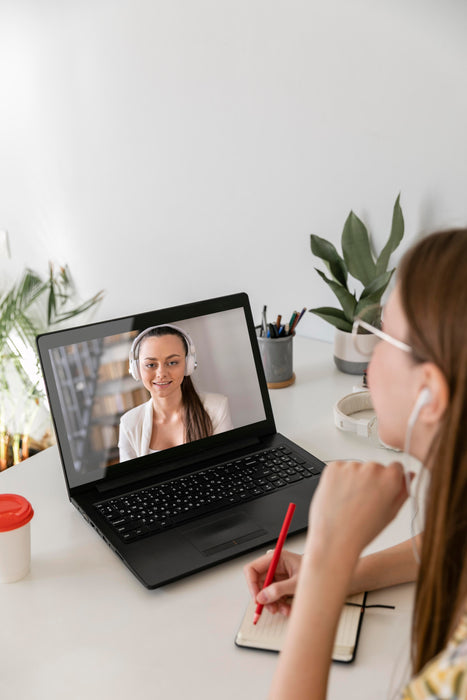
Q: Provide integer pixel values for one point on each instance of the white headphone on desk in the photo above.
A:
(354, 403)
(190, 360)
(361, 401)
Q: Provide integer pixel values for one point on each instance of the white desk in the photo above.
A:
(80, 626)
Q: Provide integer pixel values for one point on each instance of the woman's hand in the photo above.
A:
(276, 597)
(353, 503)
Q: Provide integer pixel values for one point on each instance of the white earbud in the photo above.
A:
(423, 399)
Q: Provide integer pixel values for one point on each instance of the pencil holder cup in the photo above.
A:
(277, 358)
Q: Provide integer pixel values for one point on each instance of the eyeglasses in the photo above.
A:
(360, 340)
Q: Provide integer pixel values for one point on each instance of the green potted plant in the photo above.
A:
(359, 262)
(28, 307)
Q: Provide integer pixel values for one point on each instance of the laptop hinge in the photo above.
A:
(207, 456)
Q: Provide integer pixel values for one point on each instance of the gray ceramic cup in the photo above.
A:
(277, 357)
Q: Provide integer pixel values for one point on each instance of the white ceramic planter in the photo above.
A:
(346, 356)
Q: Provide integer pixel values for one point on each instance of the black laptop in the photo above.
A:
(172, 512)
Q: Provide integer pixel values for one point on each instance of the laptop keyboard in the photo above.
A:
(160, 507)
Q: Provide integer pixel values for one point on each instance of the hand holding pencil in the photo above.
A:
(276, 556)
(278, 596)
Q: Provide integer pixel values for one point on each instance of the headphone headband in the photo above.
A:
(354, 403)
(190, 360)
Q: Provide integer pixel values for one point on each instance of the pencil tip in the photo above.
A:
(256, 618)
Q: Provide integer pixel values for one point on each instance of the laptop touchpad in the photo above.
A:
(223, 532)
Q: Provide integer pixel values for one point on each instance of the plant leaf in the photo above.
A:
(26, 329)
(60, 318)
(51, 305)
(29, 288)
(371, 295)
(357, 251)
(346, 299)
(377, 286)
(372, 300)
(395, 237)
(29, 307)
(335, 317)
(334, 262)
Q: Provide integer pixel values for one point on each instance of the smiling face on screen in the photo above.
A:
(162, 365)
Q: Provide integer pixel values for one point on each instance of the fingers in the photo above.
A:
(395, 479)
(367, 476)
(366, 494)
(277, 590)
(255, 573)
(276, 595)
(282, 606)
(407, 478)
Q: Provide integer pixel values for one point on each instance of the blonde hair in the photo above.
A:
(433, 282)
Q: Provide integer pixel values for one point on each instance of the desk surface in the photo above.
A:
(80, 626)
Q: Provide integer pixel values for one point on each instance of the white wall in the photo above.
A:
(171, 151)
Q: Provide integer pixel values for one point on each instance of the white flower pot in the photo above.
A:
(346, 357)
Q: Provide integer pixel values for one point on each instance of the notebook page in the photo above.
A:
(269, 633)
(347, 628)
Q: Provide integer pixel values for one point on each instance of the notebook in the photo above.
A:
(270, 630)
(178, 510)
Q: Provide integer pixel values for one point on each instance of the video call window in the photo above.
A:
(98, 394)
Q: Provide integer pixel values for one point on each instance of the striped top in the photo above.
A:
(446, 675)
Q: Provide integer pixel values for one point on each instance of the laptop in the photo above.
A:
(171, 512)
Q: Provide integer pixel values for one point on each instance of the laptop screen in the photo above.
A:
(112, 388)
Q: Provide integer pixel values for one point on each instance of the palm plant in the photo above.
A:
(31, 306)
(358, 261)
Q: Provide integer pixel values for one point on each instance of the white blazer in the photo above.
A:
(136, 424)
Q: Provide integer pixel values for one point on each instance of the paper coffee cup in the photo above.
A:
(15, 537)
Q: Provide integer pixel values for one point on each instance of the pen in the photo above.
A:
(265, 323)
(297, 319)
(276, 555)
(273, 333)
(292, 320)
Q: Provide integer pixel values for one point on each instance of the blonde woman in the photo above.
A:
(418, 382)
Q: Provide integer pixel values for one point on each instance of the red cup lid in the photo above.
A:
(15, 511)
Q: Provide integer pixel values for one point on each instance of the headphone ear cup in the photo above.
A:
(190, 362)
(134, 369)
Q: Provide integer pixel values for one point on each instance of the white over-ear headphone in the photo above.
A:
(361, 401)
(354, 403)
(190, 360)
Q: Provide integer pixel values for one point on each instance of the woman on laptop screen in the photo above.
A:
(163, 358)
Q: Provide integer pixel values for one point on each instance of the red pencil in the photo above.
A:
(276, 555)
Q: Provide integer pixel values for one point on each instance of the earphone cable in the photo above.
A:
(413, 500)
